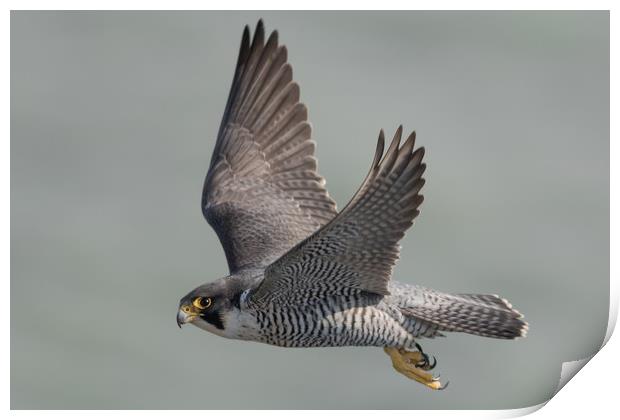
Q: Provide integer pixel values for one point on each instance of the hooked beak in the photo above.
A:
(184, 317)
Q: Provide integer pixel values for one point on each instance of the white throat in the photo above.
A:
(237, 324)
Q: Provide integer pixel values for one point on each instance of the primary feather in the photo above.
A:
(262, 193)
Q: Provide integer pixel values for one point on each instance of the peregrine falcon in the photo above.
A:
(301, 273)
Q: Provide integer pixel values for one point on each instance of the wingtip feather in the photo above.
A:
(379, 149)
(259, 35)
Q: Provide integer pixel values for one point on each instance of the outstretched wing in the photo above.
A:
(355, 252)
(262, 194)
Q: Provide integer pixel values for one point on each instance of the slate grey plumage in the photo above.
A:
(262, 193)
(303, 275)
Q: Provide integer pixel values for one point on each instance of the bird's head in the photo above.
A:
(207, 306)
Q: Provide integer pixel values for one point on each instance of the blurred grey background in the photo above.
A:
(113, 119)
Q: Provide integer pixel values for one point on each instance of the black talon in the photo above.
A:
(444, 386)
(424, 355)
(427, 362)
(432, 366)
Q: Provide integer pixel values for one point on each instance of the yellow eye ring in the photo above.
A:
(202, 302)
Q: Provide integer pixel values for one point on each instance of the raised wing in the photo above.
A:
(355, 252)
(262, 194)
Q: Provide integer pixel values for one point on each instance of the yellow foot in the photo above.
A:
(414, 365)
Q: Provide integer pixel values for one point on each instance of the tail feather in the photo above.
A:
(483, 315)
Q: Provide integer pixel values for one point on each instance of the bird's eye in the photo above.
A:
(202, 302)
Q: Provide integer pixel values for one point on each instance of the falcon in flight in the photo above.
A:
(301, 273)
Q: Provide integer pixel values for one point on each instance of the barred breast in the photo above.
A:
(359, 321)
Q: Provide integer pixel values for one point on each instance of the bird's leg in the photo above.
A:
(414, 365)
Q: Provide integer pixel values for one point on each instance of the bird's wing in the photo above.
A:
(262, 193)
(356, 251)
